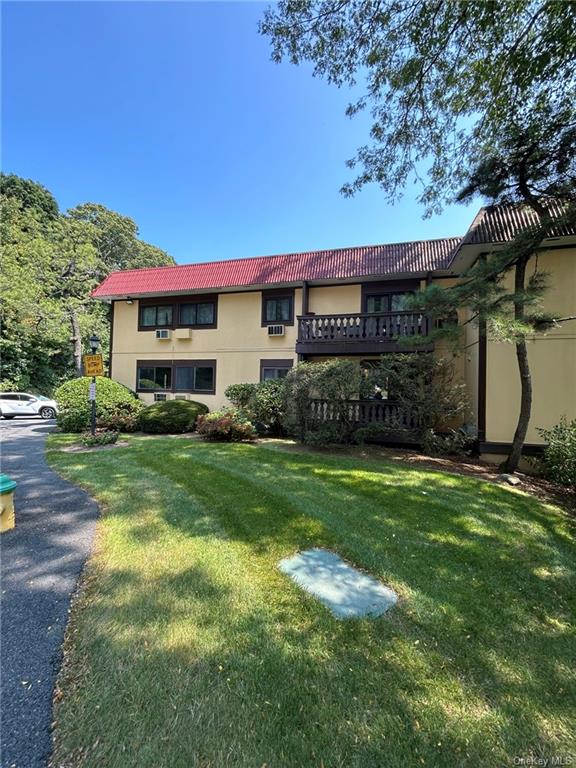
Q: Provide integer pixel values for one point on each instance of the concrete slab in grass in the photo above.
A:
(346, 591)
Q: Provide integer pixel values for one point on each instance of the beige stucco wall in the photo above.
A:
(552, 360)
(237, 344)
(328, 300)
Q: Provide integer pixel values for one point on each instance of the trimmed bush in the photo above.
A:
(117, 407)
(559, 459)
(170, 416)
(262, 404)
(227, 425)
(335, 381)
(102, 437)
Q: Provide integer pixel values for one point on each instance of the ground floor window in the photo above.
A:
(274, 369)
(194, 378)
(152, 377)
(176, 376)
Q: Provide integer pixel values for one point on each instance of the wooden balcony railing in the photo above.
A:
(360, 329)
(386, 413)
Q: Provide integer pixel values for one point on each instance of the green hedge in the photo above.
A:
(262, 403)
(117, 407)
(171, 416)
(559, 459)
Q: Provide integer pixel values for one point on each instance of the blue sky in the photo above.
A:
(172, 113)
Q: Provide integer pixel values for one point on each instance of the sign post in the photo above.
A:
(93, 366)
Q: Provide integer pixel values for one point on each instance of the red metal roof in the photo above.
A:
(338, 264)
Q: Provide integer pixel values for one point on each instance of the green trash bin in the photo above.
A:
(7, 519)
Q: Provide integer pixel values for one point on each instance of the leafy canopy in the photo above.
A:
(50, 264)
(442, 80)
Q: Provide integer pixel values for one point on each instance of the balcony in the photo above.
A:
(362, 333)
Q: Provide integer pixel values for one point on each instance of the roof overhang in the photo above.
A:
(273, 286)
(468, 253)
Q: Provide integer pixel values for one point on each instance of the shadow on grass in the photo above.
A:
(472, 668)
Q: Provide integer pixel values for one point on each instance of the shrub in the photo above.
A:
(423, 386)
(228, 425)
(559, 459)
(102, 437)
(240, 395)
(117, 407)
(262, 404)
(335, 381)
(169, 416)
(451, 443)
(381, 433)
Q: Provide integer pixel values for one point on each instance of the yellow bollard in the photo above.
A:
(7, 520)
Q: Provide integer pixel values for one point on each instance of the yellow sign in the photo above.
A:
(93, 365)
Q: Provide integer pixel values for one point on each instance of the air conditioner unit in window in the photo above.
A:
(180, 397)
(275, 330)
(160, 397)
(163, 333)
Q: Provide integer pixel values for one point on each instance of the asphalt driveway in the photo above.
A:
(41, 561)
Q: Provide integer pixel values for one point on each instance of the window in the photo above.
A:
(278, 307)
(278, 310)
(9, 397)
(176, 376)
(274, 369)
(155, 316)
(198, 313)
(387, 302)
(195, 378)
(154, 377)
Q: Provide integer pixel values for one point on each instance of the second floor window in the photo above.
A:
(197, 313)
(387, 302)
(156, 316)
(278, 309)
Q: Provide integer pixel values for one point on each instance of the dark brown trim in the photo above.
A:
(529, 449)
(387, 286)
(305, 298)
(176, 303)
(173, 364)
(264, 363)
(278, 293)
(111, 340)
(327, 349)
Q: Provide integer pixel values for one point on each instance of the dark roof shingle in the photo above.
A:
(501, 223)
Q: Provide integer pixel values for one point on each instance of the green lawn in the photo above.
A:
(189, 648)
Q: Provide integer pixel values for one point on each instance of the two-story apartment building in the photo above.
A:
(191, 330)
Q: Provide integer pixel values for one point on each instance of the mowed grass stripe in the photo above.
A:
(190, 648)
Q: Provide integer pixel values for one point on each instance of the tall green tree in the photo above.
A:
(439, 77)
(117, 239)
(50, 266)
(468, 98)
(31, 194)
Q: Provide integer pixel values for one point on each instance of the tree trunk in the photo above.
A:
(76, 342)
(511, 463)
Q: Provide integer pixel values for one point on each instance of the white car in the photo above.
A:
(22, 404)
